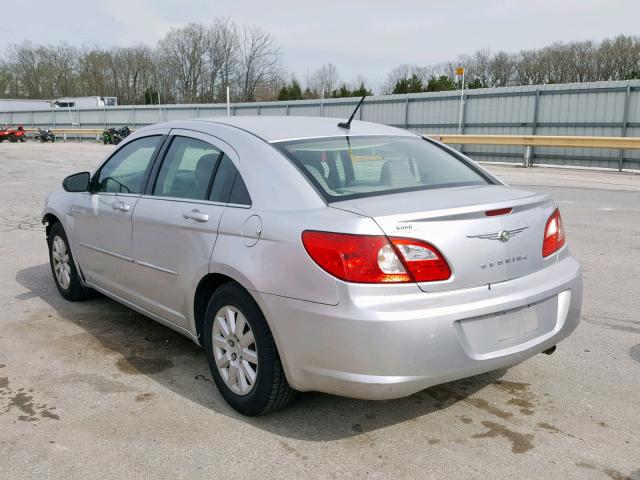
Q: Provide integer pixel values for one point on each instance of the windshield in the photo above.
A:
(351, 167)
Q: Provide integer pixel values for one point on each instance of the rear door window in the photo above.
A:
(228, 186)
(187, 169)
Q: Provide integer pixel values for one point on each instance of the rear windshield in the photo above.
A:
(352, 167)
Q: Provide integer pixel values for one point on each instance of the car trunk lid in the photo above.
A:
(481, 249)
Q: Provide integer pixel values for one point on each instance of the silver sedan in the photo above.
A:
(305, 255)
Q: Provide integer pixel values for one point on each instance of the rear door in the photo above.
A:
(175, 224)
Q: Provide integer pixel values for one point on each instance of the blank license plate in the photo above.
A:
(517, 324)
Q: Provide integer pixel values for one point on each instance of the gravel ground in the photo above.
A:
(93, 390)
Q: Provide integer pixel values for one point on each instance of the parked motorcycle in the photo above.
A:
(45, 135)
(114, 136)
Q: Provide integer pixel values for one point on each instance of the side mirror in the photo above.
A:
(78, 182)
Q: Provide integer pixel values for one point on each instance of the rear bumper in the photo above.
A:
(383, 342)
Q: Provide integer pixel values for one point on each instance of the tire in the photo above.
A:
(69, 285)
(23, 139)
(270, 390)
(12, 138)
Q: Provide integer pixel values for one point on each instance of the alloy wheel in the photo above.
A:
(61, 265)
(234, 350)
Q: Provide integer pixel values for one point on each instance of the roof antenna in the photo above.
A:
(347, 124)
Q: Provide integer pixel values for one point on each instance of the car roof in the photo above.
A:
(281, 128)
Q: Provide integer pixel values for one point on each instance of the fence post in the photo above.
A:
(527, 156)
(287, 109)
(133, 116)
(463, 119)
(625, 122)
(534, 126)
(406, 112)
(258, 110)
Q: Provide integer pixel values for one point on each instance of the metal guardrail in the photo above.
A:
(71, 131)
(626, 143)
(530, 141)
(527, 141)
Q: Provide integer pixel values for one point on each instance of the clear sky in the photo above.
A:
(359, 37)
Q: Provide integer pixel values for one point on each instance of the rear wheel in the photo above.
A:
(63, 267)
(12, 138)
(242, 354)
(23, 139)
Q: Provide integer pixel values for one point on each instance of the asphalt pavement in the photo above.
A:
(94, 390)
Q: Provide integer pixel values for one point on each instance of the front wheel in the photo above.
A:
(12, 138)
(242, 354)
(63, 267)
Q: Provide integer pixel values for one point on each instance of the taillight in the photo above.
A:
(554, 237)
(424, 262)
(375, 258)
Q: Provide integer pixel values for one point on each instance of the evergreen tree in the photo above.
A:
(343, 92)
(295, 92)
(475, 83)
(409, 85)
(284, 93)
(361, 91)
(440, 84)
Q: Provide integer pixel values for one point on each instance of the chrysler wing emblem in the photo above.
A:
(502, 235)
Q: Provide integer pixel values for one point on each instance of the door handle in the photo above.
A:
(123, 207)
(196, 215)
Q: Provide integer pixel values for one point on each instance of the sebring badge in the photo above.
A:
(502, 235)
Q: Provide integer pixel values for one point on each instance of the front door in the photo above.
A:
(102, 218)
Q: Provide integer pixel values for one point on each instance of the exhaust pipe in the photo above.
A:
(550, 350)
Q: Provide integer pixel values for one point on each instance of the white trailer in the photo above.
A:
(20, 105)
(85, 102)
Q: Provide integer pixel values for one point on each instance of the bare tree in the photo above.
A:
(184, 51)
(259, 61)
(324, 80)
(196, 62)
(6, 79)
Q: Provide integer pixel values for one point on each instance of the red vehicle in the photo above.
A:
(13, 134)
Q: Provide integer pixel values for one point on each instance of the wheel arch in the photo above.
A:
(48, 219)
(205, 289)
